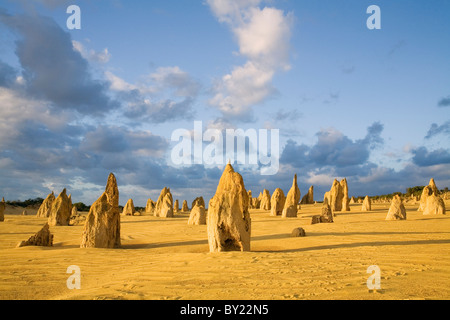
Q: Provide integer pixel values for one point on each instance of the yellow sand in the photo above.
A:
(167, 259)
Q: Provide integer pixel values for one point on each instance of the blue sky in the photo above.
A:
(369, 105)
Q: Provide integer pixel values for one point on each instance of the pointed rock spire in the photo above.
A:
(292, 199)
(102, 227)
(229, 223)
(60, 211)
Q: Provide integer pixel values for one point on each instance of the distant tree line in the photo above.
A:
(414, 191)
(26, 203)
(386, 196)
(81, 206)
(38, 201)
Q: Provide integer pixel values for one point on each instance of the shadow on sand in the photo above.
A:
(365, 244)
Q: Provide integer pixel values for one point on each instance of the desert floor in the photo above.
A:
(167, 259)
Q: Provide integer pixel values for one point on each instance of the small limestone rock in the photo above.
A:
(367, 204)
(150, 207)
(298, 232)
(129, 209)
(315, 219)
(43, 238)
(397, 210)
(427, 192)
(265, 200)
(326, 215)
(185, 207)
(197, 216)
(309, 197)
(434, 205)
(77, 220)
(2, 210)
(164, 205)
(74, 212)
(277, 202)
(176, 206)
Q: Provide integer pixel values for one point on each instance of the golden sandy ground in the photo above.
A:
(167, 259)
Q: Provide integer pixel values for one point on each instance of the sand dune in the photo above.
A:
(168, 259)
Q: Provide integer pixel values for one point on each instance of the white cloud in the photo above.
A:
(118, 84)
(20, 81)
(101, 57)
(230, 11)
(244, 87)
(320, 179)
(166, 94)
(263, 37)
(165, 78)
(176, 79)
(17, 109)
(376, 174)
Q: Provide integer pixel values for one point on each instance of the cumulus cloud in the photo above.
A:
(444, 102)
(381, 180)
(436, 129)
(92, 55)
(229, 11)
(165, 95)
(118, 84)
(334, 148)
(36, 141)
(112, 139)
(159, 111)
(288, 115)
(296, 155)
(263, 36)
(182, 84)
(56, 72)
(17, 109)
(425, 158)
